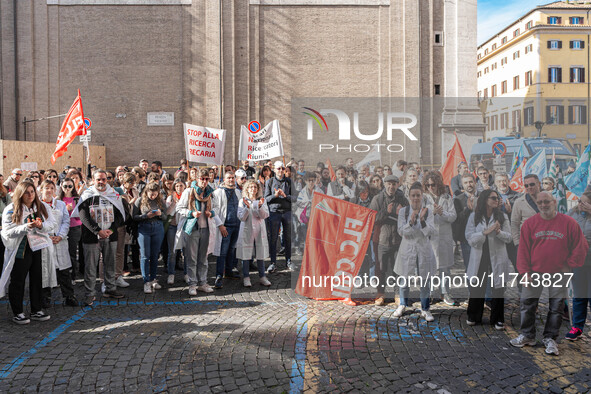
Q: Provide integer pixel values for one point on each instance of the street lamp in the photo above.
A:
(539, 124)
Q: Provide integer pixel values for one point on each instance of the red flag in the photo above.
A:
(455, 156)
(338, 236)
(72, 127)
(333, 176)
(517, 180)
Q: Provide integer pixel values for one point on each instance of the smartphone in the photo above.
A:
(154, 210)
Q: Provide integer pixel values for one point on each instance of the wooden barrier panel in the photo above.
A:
(28, 155)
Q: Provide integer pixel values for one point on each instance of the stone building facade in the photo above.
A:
(223, 63)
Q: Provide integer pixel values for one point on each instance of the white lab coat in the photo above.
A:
(442, 240)
(59, 254)
(415, 244)
(12, 235)
(499, 260)
(253, 231)
(219, 204)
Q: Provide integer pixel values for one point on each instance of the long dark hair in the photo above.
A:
(19, 190)
(480, 212)
(61, 193)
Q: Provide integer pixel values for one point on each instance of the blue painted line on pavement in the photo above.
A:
(11, 366)
(298, 366)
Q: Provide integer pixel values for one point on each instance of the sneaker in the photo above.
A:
(103, 287)
(551, 346)
(156, 285)
(170, 280)
(247, 282)
(21, 319)
(186, 277)
(400, 310)
(40, 316)
(148, 288)
(205, 288)
(272, 268)
(218, 282)
(522, 340)
(120, 282)
(380, 301)
(448, 300)
(89, 300)
(574, 334)
(264, 281)
(71, 301)
(499, 326)
(192, 290)
(470, 322)
(487, 305)
(234, 274)
(427, 316)
(290, 266)
(113, 294)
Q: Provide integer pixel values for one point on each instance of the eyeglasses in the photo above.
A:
(430, 184)
(19, 174)
(494, 198)
(280, 168)
(52, 176)
(67, 186)
(530, 184)
(35, 176)
(544, 202)
(204, 179)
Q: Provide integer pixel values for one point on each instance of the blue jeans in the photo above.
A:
(246, 268)
(150, 236)
(581, 295)
(277, 219)
(425, 295)
(227, 258)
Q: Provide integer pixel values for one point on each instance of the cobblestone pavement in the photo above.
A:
(272, 340)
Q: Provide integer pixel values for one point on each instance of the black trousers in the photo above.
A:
(29, 265)
(385, 264)
(64, 280)
(476, 303)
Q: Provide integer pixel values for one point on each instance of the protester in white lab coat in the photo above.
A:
(415, 256)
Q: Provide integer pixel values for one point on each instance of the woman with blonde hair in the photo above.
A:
(149, 213)
(25, 224)
(252, 236)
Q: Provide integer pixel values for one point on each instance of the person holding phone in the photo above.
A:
(26, 216)
(149, 212)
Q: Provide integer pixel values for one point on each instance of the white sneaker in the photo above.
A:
(156, 285)
(192, 290)
(247, 282)
(120, 282)
(264, 281)
(170, 280)
(205, 288)
(400, 310)
(148, 288)
(186, 279)
(427, 316)
(103, 287)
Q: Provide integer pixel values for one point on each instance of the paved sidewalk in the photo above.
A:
(272, 340)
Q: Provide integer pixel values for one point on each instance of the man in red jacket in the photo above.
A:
(550, 245)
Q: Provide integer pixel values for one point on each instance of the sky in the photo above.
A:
(494, 15)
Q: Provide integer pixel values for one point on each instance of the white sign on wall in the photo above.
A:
(29, 166)
(160, 118)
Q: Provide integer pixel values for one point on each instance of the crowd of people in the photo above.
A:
(56, 226)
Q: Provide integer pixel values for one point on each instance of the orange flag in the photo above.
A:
(455, 156)
(338, 236)
(72, 127)
(517, 180)
(333, 176)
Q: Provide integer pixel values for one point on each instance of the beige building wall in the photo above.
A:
(224, 63)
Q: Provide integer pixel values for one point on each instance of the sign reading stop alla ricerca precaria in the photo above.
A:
(204, 144)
